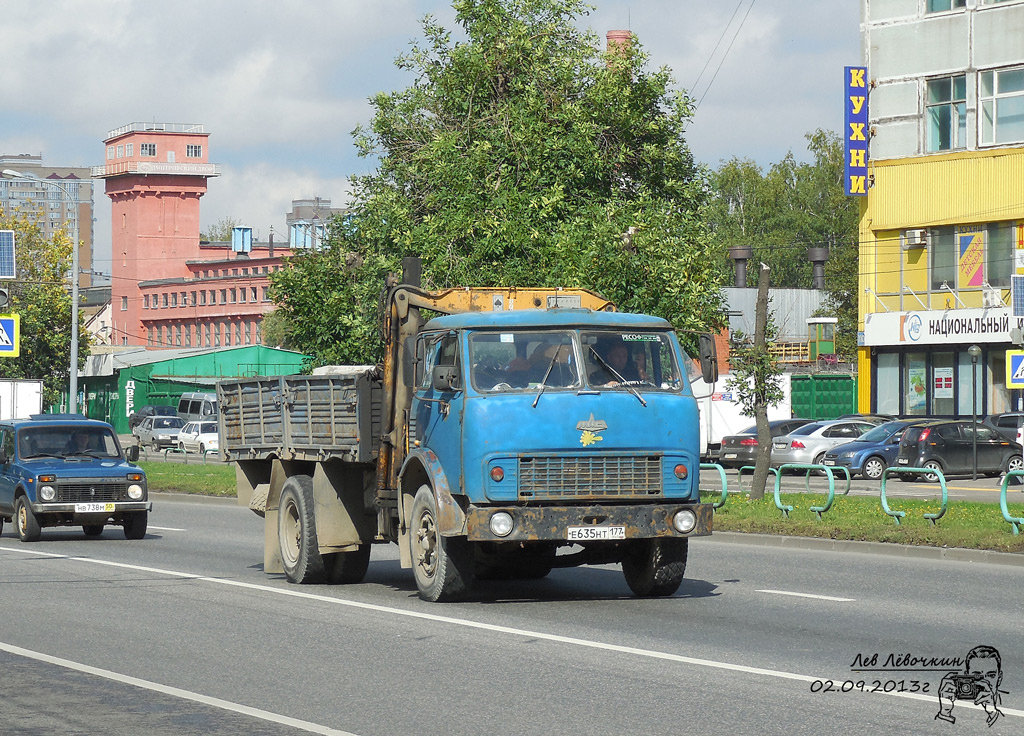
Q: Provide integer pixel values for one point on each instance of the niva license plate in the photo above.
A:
(93, 508)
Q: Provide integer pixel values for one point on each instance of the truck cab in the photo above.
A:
(66, 470)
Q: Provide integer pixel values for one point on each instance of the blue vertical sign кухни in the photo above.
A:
(855, 140)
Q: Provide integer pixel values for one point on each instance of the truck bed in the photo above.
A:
(319, 417)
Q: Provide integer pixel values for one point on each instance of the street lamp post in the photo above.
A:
(974, 351)
(73, 382)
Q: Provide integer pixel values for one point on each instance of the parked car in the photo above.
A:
(809, 443)
(872, 452)
(150, 410)
(741, 449)
(1010, 425)
(198, 437)
(66, 470)
(872, 418)
(948, 445)
(159, 431)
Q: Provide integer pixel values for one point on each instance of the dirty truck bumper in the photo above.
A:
(600, 522)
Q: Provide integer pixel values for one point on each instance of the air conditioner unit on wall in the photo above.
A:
(917, 238)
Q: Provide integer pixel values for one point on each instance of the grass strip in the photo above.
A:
(966, 524)
(206, 480)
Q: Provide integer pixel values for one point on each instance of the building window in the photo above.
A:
(164, 300)
(939, 6)
(120, 151)
(223, 296)
(238, 333)
(946, 113)
(193, 151)
(129, 149)
(193, 302)
(145, 301)
(216, 335)
(147, 149)
(248, 332)
(110, 153)
(266, 293)
(943, 257)
(202, 297)
(999, 254)
(124, 304)
(1002, 106)
(241, 295)
(234, 296)
(177, 335)
(252, 294)
(188, 336)
(227, 334)
(208, 343)
(213, 296)
(149, 336)
(174, 299)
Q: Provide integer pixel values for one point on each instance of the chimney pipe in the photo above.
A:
(741, 254)
(817, 256)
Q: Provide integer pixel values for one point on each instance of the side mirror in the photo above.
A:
(444, 377)
(708, 357)
(132, 453)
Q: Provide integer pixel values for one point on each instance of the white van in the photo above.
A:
(193, 406)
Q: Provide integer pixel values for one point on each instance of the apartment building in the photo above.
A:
(942, 211)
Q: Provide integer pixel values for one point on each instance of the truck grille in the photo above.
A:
(591, 476)
(83, 492)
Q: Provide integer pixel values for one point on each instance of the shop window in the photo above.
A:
(946, 113)
(1001, 98)
(999, 254)
(915, 384)
(965, 407)
(888, 384)
(943, 257)
(943, 393)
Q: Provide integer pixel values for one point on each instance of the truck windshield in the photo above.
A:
(64, 441)
(630, 359)
(509, 361)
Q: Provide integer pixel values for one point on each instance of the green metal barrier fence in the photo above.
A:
(725, 483)
(819, 510)
(1014, 521)
(897, 515)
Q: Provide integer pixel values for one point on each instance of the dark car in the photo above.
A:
(949, 446)
(741, 449)
(151, 410)
(872, 452)
(1010, 425)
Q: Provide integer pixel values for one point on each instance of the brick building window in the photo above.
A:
(946, 113)
(147, 149)
(193, 151)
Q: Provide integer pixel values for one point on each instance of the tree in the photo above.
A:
(40, 297)
(220, 232)
(756, 381)
(785, 210)
(521, 156)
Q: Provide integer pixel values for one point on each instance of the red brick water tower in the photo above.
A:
(155, 174)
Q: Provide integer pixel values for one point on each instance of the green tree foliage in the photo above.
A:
(521, 155)
(785, 210)
(40, 296)
(220, 232)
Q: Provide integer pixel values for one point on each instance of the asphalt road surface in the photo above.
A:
(182, 633)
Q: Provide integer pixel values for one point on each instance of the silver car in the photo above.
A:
(808, 443)
(158, 431)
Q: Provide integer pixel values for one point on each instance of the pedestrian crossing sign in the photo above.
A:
(1015, 369)
(10, 336)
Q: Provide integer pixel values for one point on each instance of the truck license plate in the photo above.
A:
(93, 508)
(594, 533)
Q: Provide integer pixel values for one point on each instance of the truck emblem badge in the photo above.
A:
(590, 428)
(92, 491)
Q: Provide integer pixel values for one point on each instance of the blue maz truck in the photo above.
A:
(66, 470)
(521, 430)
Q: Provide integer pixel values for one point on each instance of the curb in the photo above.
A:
(953, 554)
(192, 498)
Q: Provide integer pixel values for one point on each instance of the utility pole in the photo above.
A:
(764, 435)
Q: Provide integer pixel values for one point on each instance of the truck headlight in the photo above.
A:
(501, 524)
(135, 492)
(47, 493)
(684, 521)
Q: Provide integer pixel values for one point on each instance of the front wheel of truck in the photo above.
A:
(443, 566)
(296, 532)
(655, 567)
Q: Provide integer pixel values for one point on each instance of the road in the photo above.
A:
(182, 633)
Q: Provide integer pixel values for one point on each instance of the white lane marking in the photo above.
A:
(174, 691)
(808, 595)
(526, 633)
(166, 528)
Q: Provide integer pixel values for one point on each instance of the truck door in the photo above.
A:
(437, 412)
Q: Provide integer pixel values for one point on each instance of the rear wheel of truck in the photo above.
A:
(296, 532)
(92, 530)
(345, 568)
(443, 566)
(655, 567)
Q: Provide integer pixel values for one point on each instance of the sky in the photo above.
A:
(281, 84)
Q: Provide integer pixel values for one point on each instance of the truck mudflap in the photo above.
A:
(577, 524)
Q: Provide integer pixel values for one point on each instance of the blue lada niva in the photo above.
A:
(66, 470)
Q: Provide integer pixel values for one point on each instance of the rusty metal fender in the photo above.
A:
(422, 466)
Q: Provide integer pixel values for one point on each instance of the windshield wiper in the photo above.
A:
(87, 453)
(544, 381)
(40, 454)
(619, 376)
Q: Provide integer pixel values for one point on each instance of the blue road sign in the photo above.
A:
(1015, 368)
(10, 335)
